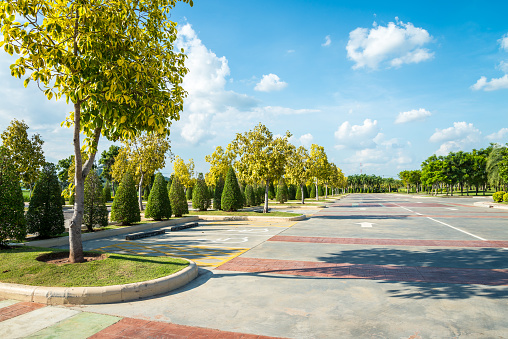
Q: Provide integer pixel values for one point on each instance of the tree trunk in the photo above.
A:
(317, 192)
(303, 194)
(265, 207)
(326, 191)
(140, 191)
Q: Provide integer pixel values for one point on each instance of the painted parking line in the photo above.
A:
(495, 277)
(201, 255)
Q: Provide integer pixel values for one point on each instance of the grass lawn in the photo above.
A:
(19, 266)
(245, 214)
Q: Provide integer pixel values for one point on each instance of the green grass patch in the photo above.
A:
(19, 266)
(245, 214)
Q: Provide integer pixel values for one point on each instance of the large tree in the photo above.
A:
(261, 157)
(26, 153)
(141, 156)
(184, 172)
(114, 60)
(297, 169)
(318, 165)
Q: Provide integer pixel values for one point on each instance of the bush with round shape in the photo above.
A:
(12, 214)
(505, 197)
(231, 199)
(200, 197)
(107, 192)
(95, 211)
(45, 215)
(125, 207)
(282, 191)
(158, 206)
(217, 193)
(498, 196)
(177, 198)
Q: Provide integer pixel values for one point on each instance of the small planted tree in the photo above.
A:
(45, 214)
(231, 199)
(12, 214)
(125, 208)
(95, 212)
(200, 197)
(177, 198)
(107, 192)
(250, 199)
(158, 206)
(282, 191)
(188, 193)
(217, 194)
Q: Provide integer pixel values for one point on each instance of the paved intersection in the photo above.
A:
(369, 265)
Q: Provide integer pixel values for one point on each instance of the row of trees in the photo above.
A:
(260, 158)
(458, 170)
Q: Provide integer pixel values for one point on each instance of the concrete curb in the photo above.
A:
(62, 241)
(253, 218)
(490, 205)
(99, 295)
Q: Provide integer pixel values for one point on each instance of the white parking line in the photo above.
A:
(458, 229)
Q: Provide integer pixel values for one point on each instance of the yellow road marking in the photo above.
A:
(203, 256)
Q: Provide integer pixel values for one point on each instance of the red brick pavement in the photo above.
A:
(137, 328)
(371, 272)
(20, 308)
(392, 242)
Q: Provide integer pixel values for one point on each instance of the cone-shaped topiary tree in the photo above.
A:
(217, 193)
(177, 198)
(200, 197)
(158, 206)
(170, 181)
(125, 208)
(312, 191)
(188, 193)
(305, 192)
(231, 199)
(45, 214)
(298, 195)
(321, 192)
(292, 192)
(271, 191)
(95, 211)
(260, 194)
(107, 192)
(250, 199)
(12, 214)
(282, 191)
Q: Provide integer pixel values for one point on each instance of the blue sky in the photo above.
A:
(381, 84)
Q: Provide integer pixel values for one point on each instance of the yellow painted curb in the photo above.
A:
(99, 295)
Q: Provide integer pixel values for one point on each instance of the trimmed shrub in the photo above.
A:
(312, 191)
(158, 206)
(125, 208)
(200, 197)
(271, 191)
(260, 196)
(45, 214)
(188, 193)
(292, 192)
(107, 192)
(505, 197)
(250, 199)
(282, 191)
(12, 214)
(231, 199)
(177, 198)
(95, 211)
(217, 193)
(498, 196)
(298, 195)
(321, 191)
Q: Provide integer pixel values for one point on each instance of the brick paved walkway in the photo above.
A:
(371, 272)
(392, 242)
(90, 325)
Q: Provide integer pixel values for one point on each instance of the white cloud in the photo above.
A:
(492, 85)
(396, 44)
(499, 136)
(504, 42)
(269, 83)
(503, 66)
(357, 136)
(328, 41)
(306, 140)
(455, 138)
(413, 115)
